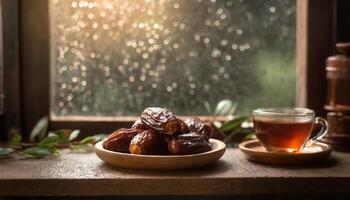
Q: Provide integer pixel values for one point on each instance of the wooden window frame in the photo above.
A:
(315, 42)
(10, 117)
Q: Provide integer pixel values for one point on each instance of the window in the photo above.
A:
(249, 72)
(116, 57)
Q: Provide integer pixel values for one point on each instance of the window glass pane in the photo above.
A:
(116, 57)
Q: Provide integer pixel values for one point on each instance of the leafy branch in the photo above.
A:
(229, 126)
(46, 143)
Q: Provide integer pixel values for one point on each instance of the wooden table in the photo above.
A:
(83, 174)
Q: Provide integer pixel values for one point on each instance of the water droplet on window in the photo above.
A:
(85, 109)
(224, 42)
(219, 11)
(215, 53)
(174, 84)
(226, 76)
(234, 46)
(131, 78)
(69, 97)
(241, 47)
(61, 104)
(197, 37)
(272, 9)
(169, 89)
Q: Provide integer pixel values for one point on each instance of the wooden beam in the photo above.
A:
(315, 42)
(10, 118)
(35, 61)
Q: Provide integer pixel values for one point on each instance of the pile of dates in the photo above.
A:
(159, 132)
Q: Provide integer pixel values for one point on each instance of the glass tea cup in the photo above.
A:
(287, 130)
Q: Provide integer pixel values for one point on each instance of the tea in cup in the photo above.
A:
(287, 130)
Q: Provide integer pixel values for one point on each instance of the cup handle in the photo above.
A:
(321, 133)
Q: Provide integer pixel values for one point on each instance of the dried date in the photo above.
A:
(148, 142)
(120, 140)
(182, 127)
(197, 126)
(189, 143)
(139, 125)
(160, 119)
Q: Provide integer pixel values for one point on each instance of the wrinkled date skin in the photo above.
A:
(188, 143)
(182, 127)
(160, 119)
(197, 126)
(139, 125)
(120, 140)
(148, 142)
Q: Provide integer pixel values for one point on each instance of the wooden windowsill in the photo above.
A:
(84, 174)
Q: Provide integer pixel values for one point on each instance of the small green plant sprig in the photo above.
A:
(229, 126)
(44, 143)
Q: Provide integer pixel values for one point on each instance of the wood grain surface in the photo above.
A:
(84, 174)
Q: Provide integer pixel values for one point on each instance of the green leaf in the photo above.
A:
(233, 109)
(74, 135)
(208, 107)
(6, 151)
(250, 136)
(15, 139)
(99, 137)
(62, 136)
(233, 124)
(223, 108)
(39, 129)
(93, 139)
(49, 141)
(86, 140)
(38, 152)
(82, 147)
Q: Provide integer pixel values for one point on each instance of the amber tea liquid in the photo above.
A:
(282, 135)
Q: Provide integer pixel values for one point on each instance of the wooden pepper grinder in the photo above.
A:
(338, 99)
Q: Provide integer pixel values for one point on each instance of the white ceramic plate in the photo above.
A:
(160, 162)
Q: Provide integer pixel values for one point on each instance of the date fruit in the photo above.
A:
(148, 142)
(197, 126)
(160, 119)
(120, 140)
(182, 127)
(189, 143)
(139, 125)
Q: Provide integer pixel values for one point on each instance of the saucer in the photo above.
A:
(254, 151)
